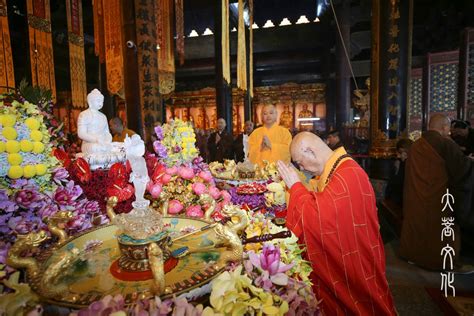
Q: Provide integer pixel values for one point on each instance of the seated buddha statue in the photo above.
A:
(93, 130)
(93, 127)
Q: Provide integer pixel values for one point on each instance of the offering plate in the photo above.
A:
(95, 272)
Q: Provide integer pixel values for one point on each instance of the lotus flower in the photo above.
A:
(270, 265)
(175, 207)
(60, 174)
(206, 176)
(194, 211)
(172, 171)
(186, 173)
(28, 199)
(214, 192)
(155, 190)
(199, 188)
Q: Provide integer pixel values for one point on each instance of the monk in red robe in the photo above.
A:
(338, 224)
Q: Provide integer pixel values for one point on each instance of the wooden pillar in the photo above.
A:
(343, 77)
(131, 81)
(390, 67)
(465, 109)
(247, 97)
(223, 89)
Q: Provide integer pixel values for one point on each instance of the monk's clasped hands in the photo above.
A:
(288, 173)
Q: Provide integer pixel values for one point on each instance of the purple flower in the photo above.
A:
(4, 247)
(251, 200)
(4, 229)
(79, 223)
(176, 149)
(88, 207)
(159, 132)
(19, 183)
(60, 175)
(24, 225)
(29, 199)
(5, 204)
(49, 209)
(160, 149)
(268, 262)
(65, 196)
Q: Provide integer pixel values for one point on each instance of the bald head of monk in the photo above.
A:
(310, 152)
(269, 115)
(221, 125)
(440, 123)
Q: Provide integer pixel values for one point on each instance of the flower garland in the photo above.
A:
(175, 144)
(33, 186)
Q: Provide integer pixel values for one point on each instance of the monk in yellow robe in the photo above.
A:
(270, 142)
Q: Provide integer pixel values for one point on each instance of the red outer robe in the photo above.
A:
(341, 231)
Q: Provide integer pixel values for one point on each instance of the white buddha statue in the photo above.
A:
(93, 127)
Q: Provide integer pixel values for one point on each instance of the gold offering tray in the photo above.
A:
(84, 277)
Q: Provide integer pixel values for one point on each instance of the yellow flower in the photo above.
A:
(32, 123)
(36, 136)
(8, 120)
(26, 145)
(29, 171)
(15, 172)
(40, 169)
(38, 147)
(12, 146)
(9, 133)
(15, 159)
(2, 147)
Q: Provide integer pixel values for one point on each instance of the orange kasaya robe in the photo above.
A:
(280, 139)
(340, 229)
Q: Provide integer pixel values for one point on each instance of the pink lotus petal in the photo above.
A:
(206, 176)
(255, 259)
(174, 207)
(279, 279)
(285, 267)
(273, 268)
(155, 190)
(165, 178)
(172, 171)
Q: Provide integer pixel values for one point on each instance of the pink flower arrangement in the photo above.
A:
(206, 176)
(155, 190)
(172, 171)
(194, 211)
(199, 188)
(186, 173)
(183, 185)
(214, 192)
(175, 207)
